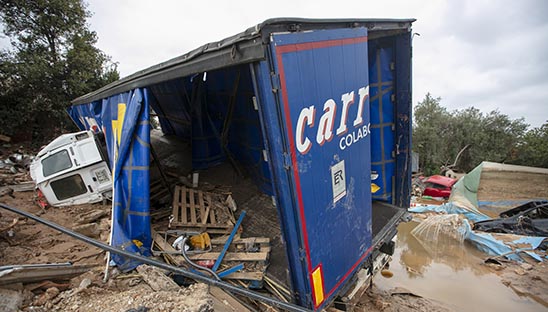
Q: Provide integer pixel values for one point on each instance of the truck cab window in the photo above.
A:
(69, 187)
(56, 163)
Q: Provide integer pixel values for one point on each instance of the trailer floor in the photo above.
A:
(383, 214)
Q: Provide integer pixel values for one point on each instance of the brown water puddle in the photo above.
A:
(450, 272)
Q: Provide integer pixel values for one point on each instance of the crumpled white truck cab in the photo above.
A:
(73, 169)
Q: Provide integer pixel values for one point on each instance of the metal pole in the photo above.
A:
(197, 277)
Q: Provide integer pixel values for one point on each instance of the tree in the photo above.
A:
(431, 123)
(492, 136)
(52, 60)
(439, 135)
(533, 150)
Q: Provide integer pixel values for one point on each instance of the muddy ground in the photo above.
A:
(28, 242)
(36, 243)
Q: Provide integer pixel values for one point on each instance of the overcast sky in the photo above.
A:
(487, 54)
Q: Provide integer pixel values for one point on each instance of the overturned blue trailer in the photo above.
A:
(316, 112)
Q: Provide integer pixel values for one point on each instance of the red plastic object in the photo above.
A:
(41, 200)
(206, 263)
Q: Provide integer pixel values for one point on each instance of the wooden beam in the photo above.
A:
(256, 240)
(249, 276)
(232, 256)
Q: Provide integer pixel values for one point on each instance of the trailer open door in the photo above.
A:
(320, 79)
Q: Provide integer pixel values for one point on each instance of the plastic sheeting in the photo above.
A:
(465, 191)
(124, 119)
(451, 208)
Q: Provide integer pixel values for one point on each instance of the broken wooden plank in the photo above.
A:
(91, 216)
(204, 211)
(165, 246)
(192, 208)
(5, 138)
(224, 301)
(232, 256)
(212, 219)
(23, 187)
(200, 225)
(6, 190)
(13, 223)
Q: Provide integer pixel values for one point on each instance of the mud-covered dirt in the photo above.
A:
(426, 278)
(36, 243)
(398, 300)
(33, 243)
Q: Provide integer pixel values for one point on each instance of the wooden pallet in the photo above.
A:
(195, 209)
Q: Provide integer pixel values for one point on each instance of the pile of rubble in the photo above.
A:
(14, 172)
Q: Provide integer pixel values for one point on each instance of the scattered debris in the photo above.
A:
(47, 296)
(89, 230)
(141, 297)
(17, 162)
(223, 301)
(165, 249)
(26, 273)
(10, 300)
(527, 219)
(5, 138)
(529, 281)
(156, 278)
(21, 187)
(91, 216)
(398, 299)
(10, 226)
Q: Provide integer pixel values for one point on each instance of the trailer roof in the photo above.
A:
(241, 48)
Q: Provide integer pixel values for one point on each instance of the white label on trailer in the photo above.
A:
(338, 180)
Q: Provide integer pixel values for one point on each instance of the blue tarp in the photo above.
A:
(494, 245)
(124, 119)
